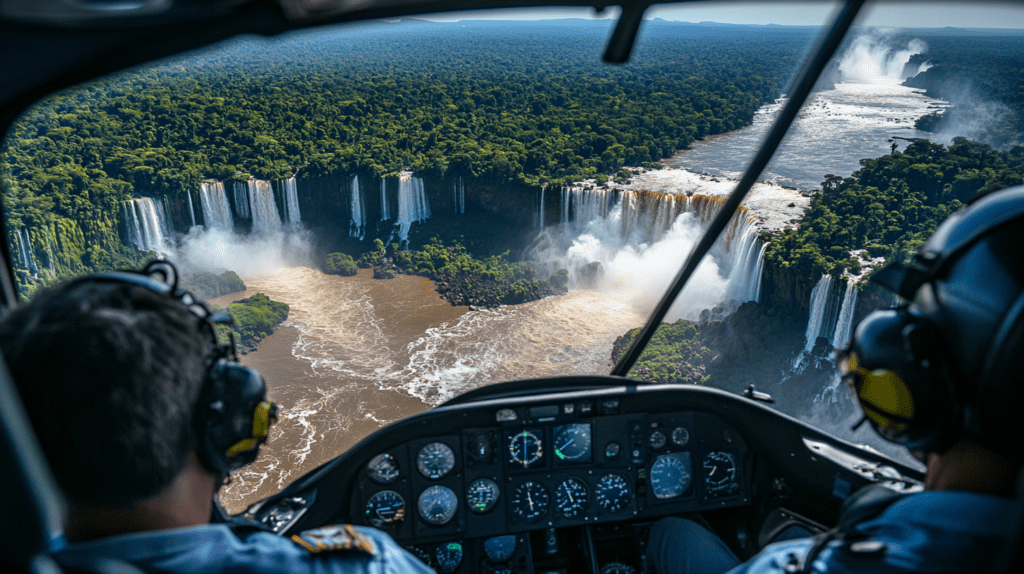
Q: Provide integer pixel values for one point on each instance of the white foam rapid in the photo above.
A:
(216, 210)
(357, 225)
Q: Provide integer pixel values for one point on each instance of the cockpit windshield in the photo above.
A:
(396, 212)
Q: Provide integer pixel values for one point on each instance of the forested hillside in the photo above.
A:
(889, 208)
(525, 103)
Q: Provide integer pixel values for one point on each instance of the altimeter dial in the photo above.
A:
(482, 495)
(613, 493)
(530, 501)
(572, 497)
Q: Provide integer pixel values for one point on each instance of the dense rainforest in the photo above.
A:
(527, 103)
(888, 208)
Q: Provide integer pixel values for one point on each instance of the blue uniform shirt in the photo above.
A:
(215, 548)
(947, 531)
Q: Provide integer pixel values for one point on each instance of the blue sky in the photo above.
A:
(894, 14)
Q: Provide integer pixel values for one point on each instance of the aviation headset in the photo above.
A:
(233, 415)
(946, 365)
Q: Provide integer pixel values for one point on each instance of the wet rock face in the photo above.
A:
(384, 272)
(590, 274)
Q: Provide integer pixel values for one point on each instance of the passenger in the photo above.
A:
(941, 377)
(142, 414)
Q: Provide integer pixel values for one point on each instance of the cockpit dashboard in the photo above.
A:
(571, 480)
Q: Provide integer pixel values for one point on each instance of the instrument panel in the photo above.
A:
(552, 466)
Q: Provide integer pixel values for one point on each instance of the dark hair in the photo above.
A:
(110, 374)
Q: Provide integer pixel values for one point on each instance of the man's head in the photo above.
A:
(944, 368)
(124, 381)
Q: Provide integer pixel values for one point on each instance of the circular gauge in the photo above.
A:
(449, 556)
(572, 442)
(670, 475)
(435, 460)
(437, 504)
(571, 497)
(657, 440)
(720, 477)
(612, 450)
(617, 568)
(385, 507)
(530, 501)
(481, 449)
(422, 554)
(383, 469)
(680, 436)
(525, 449)
(612, 492)
(482, 495)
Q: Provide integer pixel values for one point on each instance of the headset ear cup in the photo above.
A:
(236, 416)
(940, 421)
(999, 395)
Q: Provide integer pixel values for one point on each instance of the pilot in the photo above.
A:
(940, 376)
(142, 413)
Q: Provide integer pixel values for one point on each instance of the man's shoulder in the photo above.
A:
(948, 531)
(215, 548)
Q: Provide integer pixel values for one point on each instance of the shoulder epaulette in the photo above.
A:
(339, 537)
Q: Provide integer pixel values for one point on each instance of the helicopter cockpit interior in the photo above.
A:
(559, 474)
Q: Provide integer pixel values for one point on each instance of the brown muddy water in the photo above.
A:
(357, 353)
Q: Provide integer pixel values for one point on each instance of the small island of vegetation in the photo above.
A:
(255, 319)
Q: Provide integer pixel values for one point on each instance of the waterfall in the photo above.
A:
(242, 200)
(458, 197)
(291, 202)
(540, 221)
(759, 272)
(358, 225)
(643, 232)
(819, 307)
(412, 204)
(216, 210)
(263, 208)
(49, 250)
(565, 205)
(147, 226)
(191, 209)
(27, 257)
(845, 321)
(385, 209)
(580, 206)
